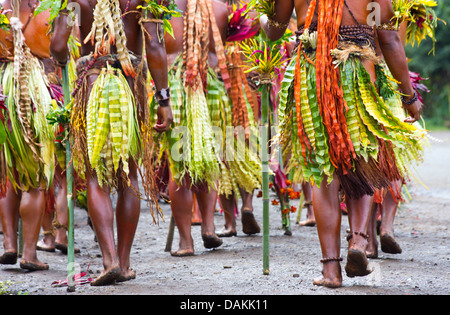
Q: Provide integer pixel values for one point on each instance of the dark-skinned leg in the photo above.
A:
(359, 215)
(128, 210)
(181, 201)
(9, 215)
(308, 194)
(388, 212)
(207, 203)
(328, 220)
(372, 246)
(228, 205)
(249, 224)
(61, 215)
(102, 216)
(48, 241)
(32, 208)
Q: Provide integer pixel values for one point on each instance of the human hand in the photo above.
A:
(414, 110)
(165, 119)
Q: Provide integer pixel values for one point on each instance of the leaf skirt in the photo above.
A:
(27, 139)
(382, 141)
(197, 143)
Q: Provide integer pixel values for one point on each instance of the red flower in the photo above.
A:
(275, 202)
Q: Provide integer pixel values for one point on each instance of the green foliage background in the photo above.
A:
(437, 69)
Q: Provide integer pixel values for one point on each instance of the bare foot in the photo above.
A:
(332, 284)
(357, 264)
(332, 276)
(310, 219)
(182, 253)
(211, 241)
(227, 233)
(34, 265)
(43, 246)
(130, 274)
(372, 249)
(108, 277)
(249, 224)
(64, 249)
(389, 244)
(307, 222)
(8, 258)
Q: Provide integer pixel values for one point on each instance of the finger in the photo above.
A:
(412, 119)
(161, 127)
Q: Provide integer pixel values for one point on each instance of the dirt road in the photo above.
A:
(422, 229)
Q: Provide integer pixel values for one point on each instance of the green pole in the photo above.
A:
(70, 203)
(265, 88)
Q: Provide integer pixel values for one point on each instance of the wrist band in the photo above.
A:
(163, 97)
(410, 101)
(276, 24)
(387, 27)
(59, 63)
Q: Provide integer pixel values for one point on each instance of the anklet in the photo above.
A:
(363, 235)
(325, 260)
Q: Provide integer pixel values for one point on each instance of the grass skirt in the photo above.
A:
(28, 153)
(382, 141)
(198, 145)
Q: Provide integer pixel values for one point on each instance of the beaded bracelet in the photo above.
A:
(410, 101)
(325, 260)
(276, 24)
(387, 27)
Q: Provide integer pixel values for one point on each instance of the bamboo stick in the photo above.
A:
(265, 88)
(70, 202)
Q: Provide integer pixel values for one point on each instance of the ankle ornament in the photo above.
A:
(325, 260)
(363, 235)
